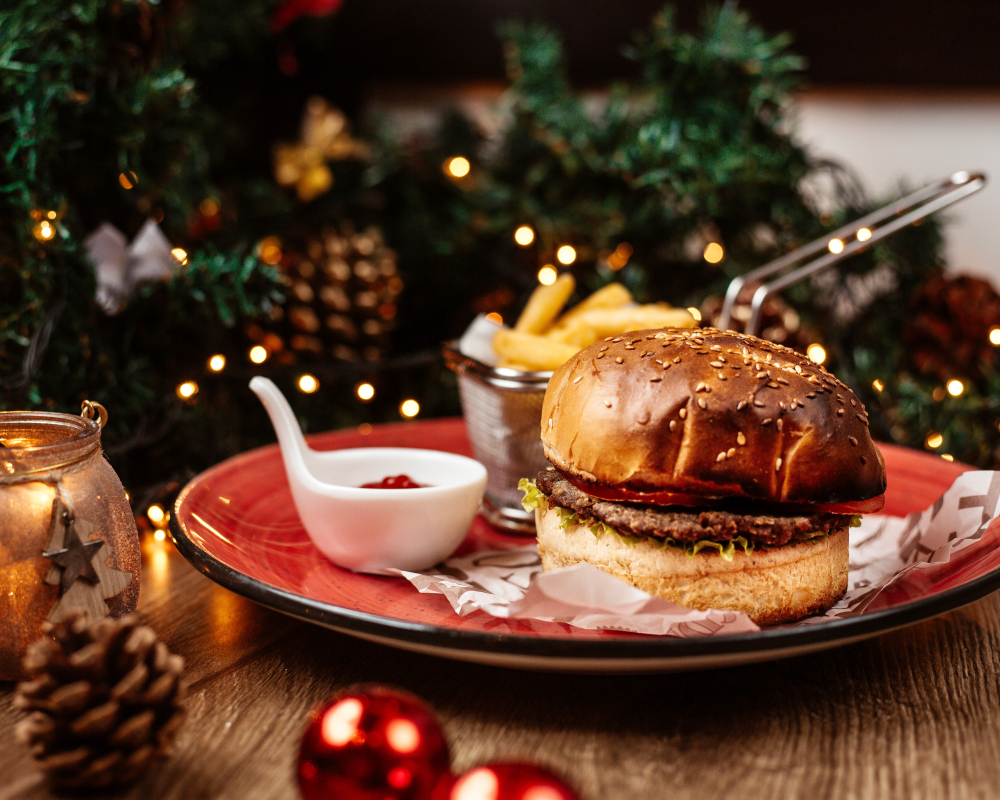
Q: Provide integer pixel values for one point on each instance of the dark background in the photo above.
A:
(928, 43)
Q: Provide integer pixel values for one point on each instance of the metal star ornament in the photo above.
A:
(74, 557)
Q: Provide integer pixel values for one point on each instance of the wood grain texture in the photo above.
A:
(913, 714)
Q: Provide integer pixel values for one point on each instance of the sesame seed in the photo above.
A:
(741, 439)
(758, 403)
(702, 387)
(682, 413)
(840, 399)
(607, 403)
(672, 425)
(798, 369)
(656, 360)
(741, 405)
(864, 460)
(677, 360)
(758, 367)
(617, 339)
(656, 379)
(578, 378)
(766, 422)
(646, 353)
(782, 380)
(864, 420)
(731, 452)
(840, 412)
(600, 355)
(608, 339)
(781, 405)
(777, 465)
(853, 441)
(720, 457)
(722, 376)
(644, 420)
(629, 347)
(666, 366)
(853, 403)
(619, 360)
(772, 385)
(716, 364)
(779, 423)
(702, 403)
(735, 366)
(714, 347)
(811, 395)
(604, 348)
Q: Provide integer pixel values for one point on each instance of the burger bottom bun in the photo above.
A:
(770, 586)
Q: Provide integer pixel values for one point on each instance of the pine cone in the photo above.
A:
(105, 701)
(343, 287)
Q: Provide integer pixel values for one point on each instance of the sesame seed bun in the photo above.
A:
(770, 586)
(710, 413)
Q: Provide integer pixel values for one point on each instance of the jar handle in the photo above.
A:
(89, 407)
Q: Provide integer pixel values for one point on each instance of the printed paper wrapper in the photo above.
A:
(892, 560)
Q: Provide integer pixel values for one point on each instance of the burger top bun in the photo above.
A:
(711, 413)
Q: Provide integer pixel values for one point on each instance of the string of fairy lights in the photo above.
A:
(45, 227)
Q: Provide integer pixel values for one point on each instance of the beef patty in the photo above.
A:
(684, 524)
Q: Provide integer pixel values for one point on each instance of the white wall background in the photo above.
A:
(889, 136)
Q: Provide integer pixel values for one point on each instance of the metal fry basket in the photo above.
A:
(503, 413)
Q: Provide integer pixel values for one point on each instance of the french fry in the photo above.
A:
(611, 296)
(530, 351)
(545, 304)
(611, 321)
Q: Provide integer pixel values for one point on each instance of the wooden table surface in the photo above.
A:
(911, 714)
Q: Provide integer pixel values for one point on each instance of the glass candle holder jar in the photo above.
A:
(68, 540)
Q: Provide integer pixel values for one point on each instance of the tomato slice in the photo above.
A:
(869, 506)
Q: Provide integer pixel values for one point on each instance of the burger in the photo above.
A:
(714, 469)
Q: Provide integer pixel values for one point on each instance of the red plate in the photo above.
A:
(237, 523)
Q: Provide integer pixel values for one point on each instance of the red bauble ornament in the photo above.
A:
(372, 743)
(515, 781)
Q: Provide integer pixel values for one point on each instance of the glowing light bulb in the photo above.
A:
(45, 230)
(864, 234)
(156, 515)
(547, 275)
(933, 441)
(180, 254)
(160, 535)
(816, 353)
(269, 249)
(694, 312)
(364, 391)
(217, 363)
(955, 387)
(713, 253)
(308, 384)
(566, 254)
(836, 246)
(258, 354)
(524, 235)
(995, 336)
(409, 408)
(877, 385)
(209, 207)
(51, 214)
(187, 390)
(457, 167)
(493, 316)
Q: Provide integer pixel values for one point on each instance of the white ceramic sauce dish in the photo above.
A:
(369, 530)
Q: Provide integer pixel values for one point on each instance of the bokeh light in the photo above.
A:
(524, 235)
(816, 353)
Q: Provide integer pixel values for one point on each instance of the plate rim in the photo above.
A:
(637, 649)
